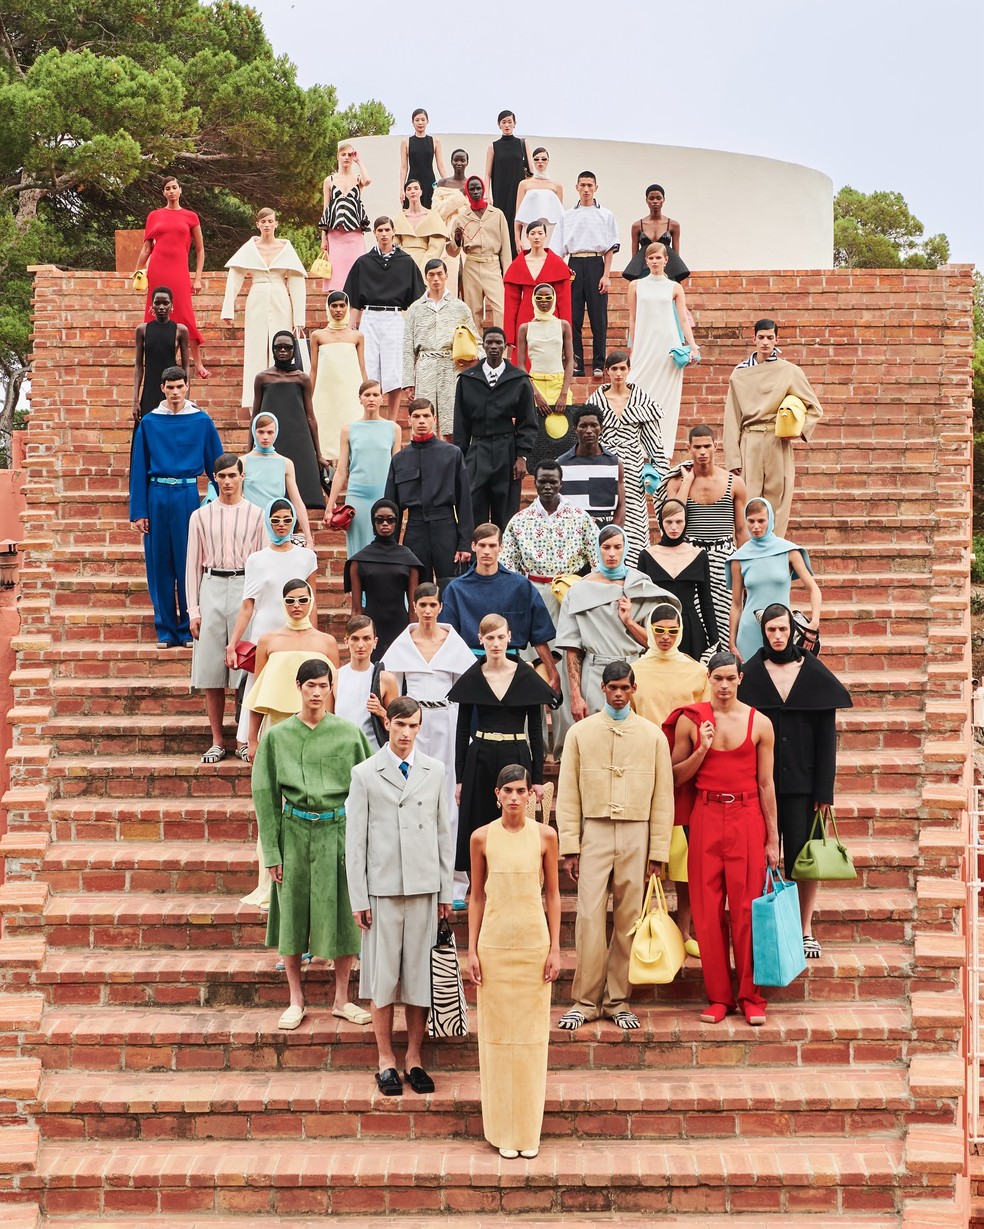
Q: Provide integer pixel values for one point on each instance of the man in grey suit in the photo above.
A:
(398, 861)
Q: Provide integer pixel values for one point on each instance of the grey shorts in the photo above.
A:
(396, 950)
(383, 332)
(219, 602)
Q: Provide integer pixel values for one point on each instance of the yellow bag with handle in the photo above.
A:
(658, 952)
(140, 281)
(464, 345)
(790, 417)
(321, 267)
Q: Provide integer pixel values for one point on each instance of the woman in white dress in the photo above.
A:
(276, 299)
(427, 659)
(658, 321)
(539, 196)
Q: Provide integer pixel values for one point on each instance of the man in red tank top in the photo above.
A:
(733, 832)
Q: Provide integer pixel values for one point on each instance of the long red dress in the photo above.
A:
(519, 283)
(170, 230)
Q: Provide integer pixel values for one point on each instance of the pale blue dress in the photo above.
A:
(766, 580)
(370, 452)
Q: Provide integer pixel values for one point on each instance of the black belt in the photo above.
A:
(382, 309)
(430, 514)
(219, 572)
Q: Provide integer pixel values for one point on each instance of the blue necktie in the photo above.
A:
(405, 768)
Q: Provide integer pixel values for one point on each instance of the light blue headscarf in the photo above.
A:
(267, 452)
(620, 571)
(768, 544)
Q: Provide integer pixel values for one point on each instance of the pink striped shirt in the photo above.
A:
(221, 536)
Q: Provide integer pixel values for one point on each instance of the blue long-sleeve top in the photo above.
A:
(469, 598)
(170, 446)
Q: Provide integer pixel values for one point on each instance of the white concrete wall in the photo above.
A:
(735, 211)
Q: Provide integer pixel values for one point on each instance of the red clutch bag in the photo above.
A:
(246, 656)
(342, 517)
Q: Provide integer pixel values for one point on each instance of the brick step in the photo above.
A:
(163, 977)
(872, 1032)
(621, 1105)
(373, 1177)
(21, 1215)
(753, 1220)
(214, 866)
(89, 919)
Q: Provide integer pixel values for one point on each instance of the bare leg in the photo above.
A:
(382, 1026)
(343, 971)
(292, 967)
(808, 902)
(198, 359)
(416, 1024)
(215, 707)
(393, 403)
(683, 908)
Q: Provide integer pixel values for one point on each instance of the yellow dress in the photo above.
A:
(513, 999)
(335, 398)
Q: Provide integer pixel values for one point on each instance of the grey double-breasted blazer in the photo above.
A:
(397, 832)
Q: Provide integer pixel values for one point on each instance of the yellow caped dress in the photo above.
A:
(513, 999)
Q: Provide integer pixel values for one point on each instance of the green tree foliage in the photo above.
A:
(99, 98)
(878, 231)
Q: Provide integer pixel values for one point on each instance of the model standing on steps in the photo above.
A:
(419, 154)
(158, 343)
(513, 959)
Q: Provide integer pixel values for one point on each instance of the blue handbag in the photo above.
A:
(680, 354)
(777, 933)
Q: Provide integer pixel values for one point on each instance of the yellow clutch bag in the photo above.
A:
(321, 267)
(140, 281)
(464, 346)
(560, 584)
(790, 417)
(658, 952)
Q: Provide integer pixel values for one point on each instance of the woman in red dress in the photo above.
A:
(529, 269)
(168, 237)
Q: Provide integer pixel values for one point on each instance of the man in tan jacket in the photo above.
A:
(614, 815)
(757, 388)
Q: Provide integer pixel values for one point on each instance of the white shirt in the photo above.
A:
(397, 761)
(267, 571)
(188, 408)
(591, 229)
(497, 371)
(436, 304)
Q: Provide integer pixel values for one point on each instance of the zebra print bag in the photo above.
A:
(449, 1010)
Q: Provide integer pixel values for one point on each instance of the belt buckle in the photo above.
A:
(726, 798)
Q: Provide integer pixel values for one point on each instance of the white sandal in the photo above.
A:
(214, 755)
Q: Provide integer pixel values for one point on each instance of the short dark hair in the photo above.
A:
(357, 622)
(540, 149)
(587, 175)
(505, 115)
(486, 530)
(382, 220)
(173, 373)
(162, 290)
(313, 668)
(616, 670)
(617, 356)
(655, 187)
(402, 706)
(413, 179)
(537, 222)
(297, 583)
(435, 263)
(548, 463)
(494, 328)
(459, 150)
(228, 460)
(420, 403)
(663, 611)
(723, 658)
(698, 430)
(427, 589)
(765, 323)
(512, 772)
(777, 610)
(585, 411)
(418, 111)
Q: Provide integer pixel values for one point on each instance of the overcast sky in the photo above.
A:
(879, 94)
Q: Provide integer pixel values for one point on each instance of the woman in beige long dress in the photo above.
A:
(276, 300)
(338, 367)
(513, 959)
(421, 232)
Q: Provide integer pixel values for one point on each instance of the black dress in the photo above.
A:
(637, 268)
(420, 166)
(692, 587)
(509, 169)
(285, 399)
(478, 762)
(160, 344)
(384, 573)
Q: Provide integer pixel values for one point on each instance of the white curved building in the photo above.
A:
(735, 211)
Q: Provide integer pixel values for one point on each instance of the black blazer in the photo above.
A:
(507, 409)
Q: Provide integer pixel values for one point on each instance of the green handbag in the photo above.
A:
(819, 859)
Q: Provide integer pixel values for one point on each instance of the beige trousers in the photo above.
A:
(481, 283)
(769, 470)
(614, 855)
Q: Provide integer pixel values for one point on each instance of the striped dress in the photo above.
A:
(712, 526)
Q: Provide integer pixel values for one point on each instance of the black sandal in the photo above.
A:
(388, 1082)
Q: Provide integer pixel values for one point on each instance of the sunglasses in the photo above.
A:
(665, 631)
(385, 520)
(282, 346)
(297, 601)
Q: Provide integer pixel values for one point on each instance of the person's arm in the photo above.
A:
(439, 160)
(340, 479)
(545, 655)
(404, 169)
(489, 155)
(619, 517)
(242, 621)
(138, 368)
(464, 515)
(357, 850)
(632, 316)
(412, 582)
(410, 347)
(680, 298)
(525, 426)
(763, 735)
(705, 601)
(606, 278)
(194, 563)
(364, 177)
(690, 746)
(325, 197)
(315, 346)
(661, 807)
(262, 651)
(462, 737)
(360, 350)
(739, 496)
(579, 709)
(635, 630)
(355, 584)
(634, 235)
(476, 902)
(183, 341)
(567, 359)
(551, 891)
(737, 602)
(651, 435)
(569, 805)
(312, 422)
(139, 481)
(732, 430)
(196, 235)
(234, 283)
(798, 565)
(534, 734)
(297, 289)
(505, 245)
(294, 495)
(675, 235)
(258, 385)
(267, 802)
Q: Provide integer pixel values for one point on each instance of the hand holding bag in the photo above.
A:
(448, 1011)
(246, 656)
(777, 933)
(140, 281)
(658, 952)
(790, 417)
(321, 266)
(820, 859)
(341, 517)
(680, 354)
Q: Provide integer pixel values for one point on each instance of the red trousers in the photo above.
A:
(726, 864)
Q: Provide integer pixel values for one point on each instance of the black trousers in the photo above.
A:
(795, 814)
(588, 271)
(495, 496)
(433, 538)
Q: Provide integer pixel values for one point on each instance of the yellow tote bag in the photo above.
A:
(790, 417)
(321, 266)
(658, 952)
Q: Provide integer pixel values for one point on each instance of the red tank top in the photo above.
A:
(731, 771)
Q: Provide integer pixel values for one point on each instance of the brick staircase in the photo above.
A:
(143, 1080)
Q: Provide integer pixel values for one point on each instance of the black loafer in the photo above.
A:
(388, 1082)
(419, 1080)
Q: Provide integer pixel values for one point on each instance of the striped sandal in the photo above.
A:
(811, 948)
